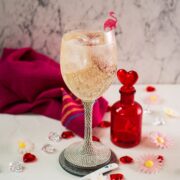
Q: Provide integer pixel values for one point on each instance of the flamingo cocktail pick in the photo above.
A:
(110, 23)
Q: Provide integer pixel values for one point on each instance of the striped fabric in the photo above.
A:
(72, 114)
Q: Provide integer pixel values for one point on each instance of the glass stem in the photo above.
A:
(88, 145)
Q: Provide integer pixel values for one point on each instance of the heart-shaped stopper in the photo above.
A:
(128, 79)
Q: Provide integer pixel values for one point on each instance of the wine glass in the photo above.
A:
(88, 66)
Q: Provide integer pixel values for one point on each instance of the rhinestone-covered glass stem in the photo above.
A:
(87, 154)
(88, 145)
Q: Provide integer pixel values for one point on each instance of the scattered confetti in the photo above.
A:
(152, 99)
(48, 148)
(150, 88)
(147, 110)
(95, 138)
(28, 157)
(25, 146)
(16, 166)
(54, 137)
(159, 121)
(105, 124)
(149, 163)
(126, 160)
(67, 135)
(117, 176)
(159, 140)
(160, 158)
(170, 112)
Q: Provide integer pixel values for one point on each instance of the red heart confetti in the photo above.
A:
(127, 78)
(95, 138)
(160, 158)
(105, 124)
(28, 157)
(118, 176)
(67, 135)
(150, 88)
(126, 160)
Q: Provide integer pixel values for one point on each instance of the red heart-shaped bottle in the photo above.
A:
(28, 157)
(127, 78)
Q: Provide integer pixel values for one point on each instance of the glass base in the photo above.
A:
(78, 171)
(81, 157)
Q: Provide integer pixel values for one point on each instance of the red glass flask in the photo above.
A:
(126, 114)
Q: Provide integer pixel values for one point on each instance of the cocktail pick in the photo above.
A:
(110, 23)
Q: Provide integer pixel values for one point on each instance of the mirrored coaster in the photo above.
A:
(81, 171)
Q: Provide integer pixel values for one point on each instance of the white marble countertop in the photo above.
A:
(36, 128)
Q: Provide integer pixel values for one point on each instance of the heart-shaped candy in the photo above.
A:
(28, 157)
(127, 78)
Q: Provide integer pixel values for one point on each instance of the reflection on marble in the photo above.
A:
(148, 34)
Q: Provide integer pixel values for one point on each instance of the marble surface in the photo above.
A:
(148, 34)
(36, 129)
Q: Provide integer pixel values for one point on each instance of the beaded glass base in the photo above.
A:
(80, 171)
(87, 156)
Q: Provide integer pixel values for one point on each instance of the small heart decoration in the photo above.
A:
(28, 157)
(127, 78)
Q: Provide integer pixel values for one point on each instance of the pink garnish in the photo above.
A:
(110, 23)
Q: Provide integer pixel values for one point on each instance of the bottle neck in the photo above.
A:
(127, 98)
